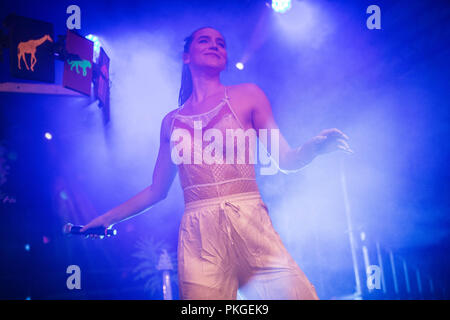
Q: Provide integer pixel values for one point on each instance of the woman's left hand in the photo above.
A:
(328, 140)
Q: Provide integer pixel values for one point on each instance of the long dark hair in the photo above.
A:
(186, 76)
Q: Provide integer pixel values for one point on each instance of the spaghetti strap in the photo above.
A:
(173, 117)
(227, 100)
(208, 115)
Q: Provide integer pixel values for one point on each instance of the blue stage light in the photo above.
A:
(97, 45)
(63, 195)
(27, 247)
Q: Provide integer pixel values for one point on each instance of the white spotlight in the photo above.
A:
(240, 65)
(48, 136)
(97, 45)
(281, 6)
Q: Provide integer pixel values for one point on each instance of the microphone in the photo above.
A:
(70, 229)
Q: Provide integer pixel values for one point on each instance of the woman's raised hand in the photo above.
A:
(328, 140)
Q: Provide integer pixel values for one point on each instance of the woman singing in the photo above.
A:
(226, 238)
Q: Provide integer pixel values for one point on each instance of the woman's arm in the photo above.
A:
(163, 176)
(292, 159)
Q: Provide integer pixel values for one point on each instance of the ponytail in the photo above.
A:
(186, 76)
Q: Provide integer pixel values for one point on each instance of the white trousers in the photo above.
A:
(229, 243)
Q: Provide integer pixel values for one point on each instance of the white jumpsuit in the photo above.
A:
(226, 237)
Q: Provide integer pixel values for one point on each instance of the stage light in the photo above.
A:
(363, 236)
(281, 6)
(240, 65)
(48, 136)
(27, 247)
(305, 25)
(97, 45)
(45, 239)
(63, 195)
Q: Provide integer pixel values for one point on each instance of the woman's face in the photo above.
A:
(208, 49)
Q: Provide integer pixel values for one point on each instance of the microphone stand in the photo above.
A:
(165, 265)
(357, 294)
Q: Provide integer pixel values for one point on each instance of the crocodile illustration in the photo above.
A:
(80, 63)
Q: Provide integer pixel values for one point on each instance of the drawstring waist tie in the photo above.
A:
(223, 203)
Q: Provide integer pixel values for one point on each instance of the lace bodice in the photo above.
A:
(204, 176)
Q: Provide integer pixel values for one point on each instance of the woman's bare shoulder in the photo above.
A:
(244, 87)
(248, 93)
(166, 122)
(247, 89)
(171, 113)
(169, 116)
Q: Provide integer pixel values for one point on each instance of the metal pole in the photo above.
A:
(394, 274)
(419, 282)
(167, 288)
(431, 287)
(366, 259)
(405, 269)
(350, 230)
(165, 265)
(380, 263)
